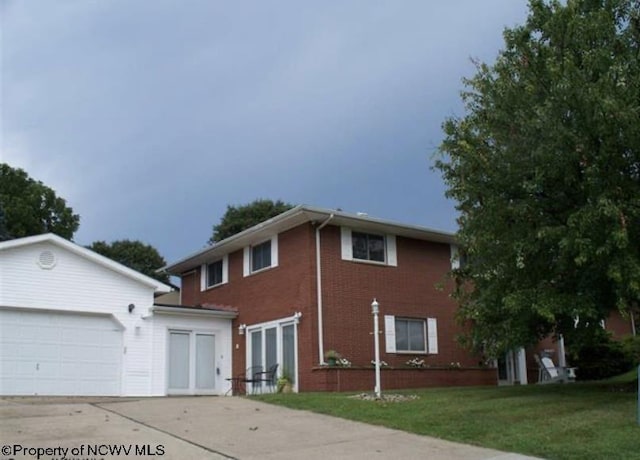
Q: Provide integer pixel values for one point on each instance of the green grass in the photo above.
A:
(575, 421)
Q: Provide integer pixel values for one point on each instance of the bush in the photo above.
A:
(601, 358)
(631, 347)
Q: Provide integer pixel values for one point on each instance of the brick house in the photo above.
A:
(302, 284)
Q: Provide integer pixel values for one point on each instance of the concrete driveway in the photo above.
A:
(203, 428)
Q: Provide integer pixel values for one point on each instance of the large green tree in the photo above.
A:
(239, 218)
(134, 254)
(545, 167)
(32, 208)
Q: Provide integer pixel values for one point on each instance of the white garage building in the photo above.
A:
(73, 322)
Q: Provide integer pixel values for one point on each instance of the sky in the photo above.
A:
(149, 117)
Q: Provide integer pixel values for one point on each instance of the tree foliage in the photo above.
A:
(32, 208)
(545, 167)
(239, 218)
(137, 255)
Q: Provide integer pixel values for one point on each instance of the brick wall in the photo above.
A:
(417, 287)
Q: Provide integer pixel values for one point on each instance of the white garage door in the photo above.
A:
(46, 353)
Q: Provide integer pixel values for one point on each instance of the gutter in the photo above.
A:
(319, 291)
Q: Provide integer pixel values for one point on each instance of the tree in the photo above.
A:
(545, 167)
(32, 208)
(239, 218)
(4, 233)
(134, 254)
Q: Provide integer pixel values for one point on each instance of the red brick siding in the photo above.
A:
(410, 290)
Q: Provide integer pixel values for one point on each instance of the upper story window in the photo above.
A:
(214, 273)
(368, 247)
(261, 256)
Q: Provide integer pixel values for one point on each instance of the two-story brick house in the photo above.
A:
(303, 283)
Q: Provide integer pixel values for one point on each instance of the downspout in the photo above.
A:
(319, 291)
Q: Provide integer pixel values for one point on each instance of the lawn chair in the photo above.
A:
(253, 377)
(549, 373)
(269, 377)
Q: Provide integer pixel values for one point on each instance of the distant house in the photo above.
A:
(303, 283)
(73, 322)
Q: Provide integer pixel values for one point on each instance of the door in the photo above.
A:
(191, 362)
(270, 344)
(57, 353)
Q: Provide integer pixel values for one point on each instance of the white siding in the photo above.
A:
(77, 284)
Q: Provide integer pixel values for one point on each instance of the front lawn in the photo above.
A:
(571, 421)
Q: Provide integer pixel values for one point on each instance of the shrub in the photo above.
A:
(631, 347)
(601, 358)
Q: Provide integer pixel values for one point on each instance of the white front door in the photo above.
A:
(191, 367)
(57, 353)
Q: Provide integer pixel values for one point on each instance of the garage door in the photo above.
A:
(46, 353)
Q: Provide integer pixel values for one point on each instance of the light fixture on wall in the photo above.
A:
(241, 329)
(296, 317)
(131, 307)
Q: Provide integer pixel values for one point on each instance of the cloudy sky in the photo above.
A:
(149, 117)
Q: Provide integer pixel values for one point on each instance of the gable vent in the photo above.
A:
(47, 260)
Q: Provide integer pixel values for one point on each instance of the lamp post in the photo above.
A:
(375, 309)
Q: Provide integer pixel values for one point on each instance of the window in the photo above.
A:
(410, 335)
(261, 256)
(368, 247)
(214, 273)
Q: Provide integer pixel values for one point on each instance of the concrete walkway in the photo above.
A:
(215, 428)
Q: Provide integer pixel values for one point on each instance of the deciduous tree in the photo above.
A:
(32, 208)
(545, 167)
(134, 254)
(239, 218)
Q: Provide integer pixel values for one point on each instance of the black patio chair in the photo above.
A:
(254, 377)
(269, 377)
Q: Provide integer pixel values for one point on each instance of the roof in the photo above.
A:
(87, 254)
(300, 215)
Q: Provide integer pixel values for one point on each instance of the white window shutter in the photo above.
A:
(432, 336)
(225, 269)
(390, 333)
(347, 244)
(246, 262)
(455, 258)
(203, 277)
(274, 251)
(392, 253)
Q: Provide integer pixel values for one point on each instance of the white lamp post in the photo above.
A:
(375, 309)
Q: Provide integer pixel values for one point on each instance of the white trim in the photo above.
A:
(432, 336)
(390, 333)
(346, 243)
(392, 253)
(246, 261)
(455, 257)
(274, 251)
